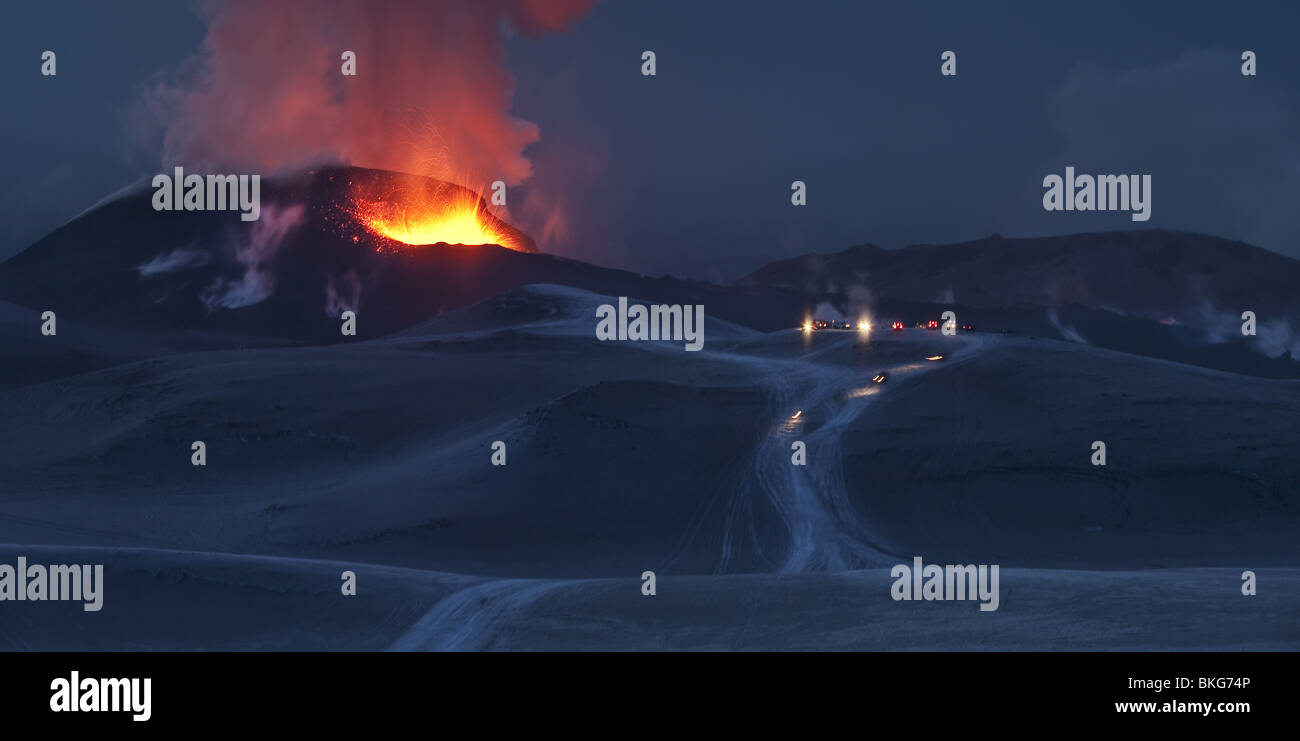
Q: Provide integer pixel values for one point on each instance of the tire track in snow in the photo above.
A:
(471, 618)
(826, 531)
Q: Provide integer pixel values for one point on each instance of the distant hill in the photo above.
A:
(1173, 277)
(288, 276)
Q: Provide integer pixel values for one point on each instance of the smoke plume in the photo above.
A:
(255, 257)
(431, 94)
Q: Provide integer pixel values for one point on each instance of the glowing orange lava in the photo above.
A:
(420, 216)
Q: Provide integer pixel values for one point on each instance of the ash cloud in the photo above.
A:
(859, 301)
(1066, 329)
(343, 293)
(431, 95)
(258, 279)
(182, 258)
(825, 310)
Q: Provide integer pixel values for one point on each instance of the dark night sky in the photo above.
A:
(689, 172)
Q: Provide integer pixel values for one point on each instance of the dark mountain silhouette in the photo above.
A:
(1193, 279)
(1172, 295)
(124, 263)
(209, 275)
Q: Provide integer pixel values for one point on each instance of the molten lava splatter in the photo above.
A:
(431, 214)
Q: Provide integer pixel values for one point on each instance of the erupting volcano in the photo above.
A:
(420, 211)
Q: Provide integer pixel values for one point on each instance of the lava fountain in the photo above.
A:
(424, 211)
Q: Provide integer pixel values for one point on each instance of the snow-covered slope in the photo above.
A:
(375, 456)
